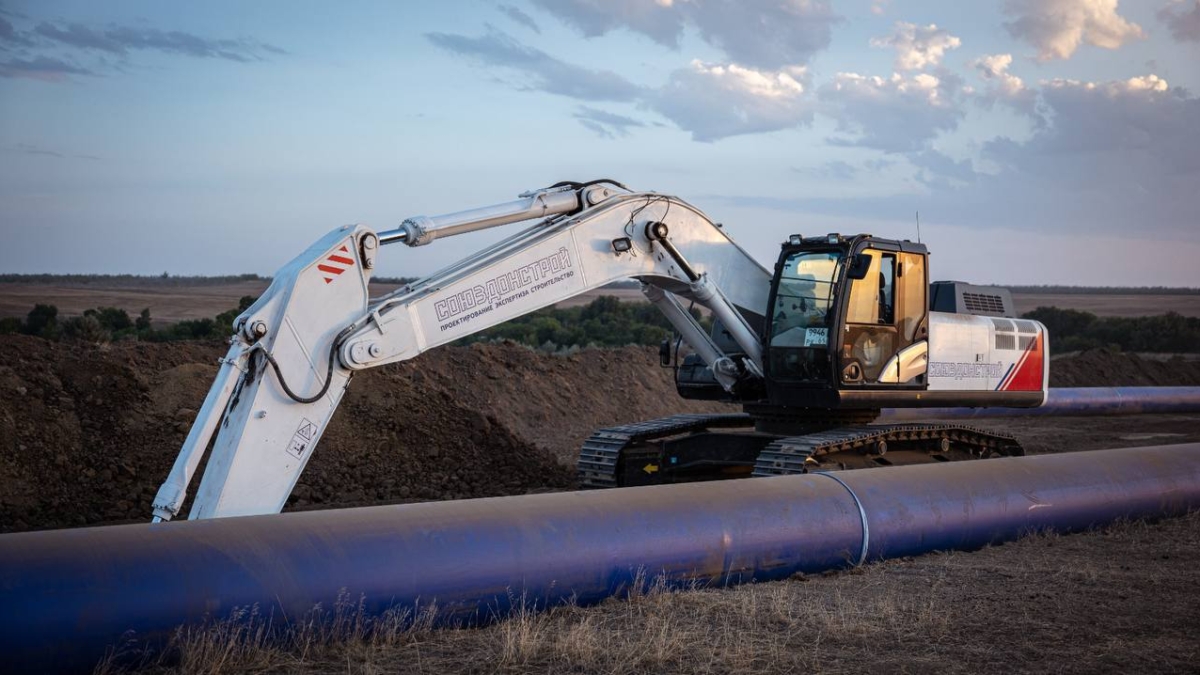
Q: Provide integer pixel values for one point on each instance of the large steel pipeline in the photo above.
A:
(68, 594)
(1081, 401)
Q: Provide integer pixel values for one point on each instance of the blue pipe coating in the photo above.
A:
(67, 595)
(1082, 401)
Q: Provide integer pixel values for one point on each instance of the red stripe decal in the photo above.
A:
(339, 259)
(1014, 370)
(1028, 374)
(330, 269)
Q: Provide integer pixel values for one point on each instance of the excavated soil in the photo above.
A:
(88, 432)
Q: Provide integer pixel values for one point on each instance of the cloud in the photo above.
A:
(918, 47)
(661, 21)
(714, 101)
(54, 51)
(10, 36)
(1113, 89)
(1003, 86)
(833, 170)
(994, 67)
(879, 7)
(938, 169)
(1122, 152)
(120, 40)
(1136, 115)
(519, 17)
(1183, 24)
(710, 101)
(897, 114)
(545, 73)
(763, 34)
(1056, 28)
(605, 124)
(30, 149)
(1114, 157)
(45, 68)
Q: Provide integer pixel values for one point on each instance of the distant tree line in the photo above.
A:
(607, 322)
(1074, 330)
(164, 279)
(106, 324)
(604, 322)
(1103, 290)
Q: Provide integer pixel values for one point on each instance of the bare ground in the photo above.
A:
(1110, 305)
(87, 433)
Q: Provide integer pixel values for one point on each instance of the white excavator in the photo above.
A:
(843, 327)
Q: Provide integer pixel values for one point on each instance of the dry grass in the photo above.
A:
(249, 641)
(775, 627)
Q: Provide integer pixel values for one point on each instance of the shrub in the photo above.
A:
(86, 328)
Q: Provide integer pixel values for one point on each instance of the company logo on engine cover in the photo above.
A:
(960, 371)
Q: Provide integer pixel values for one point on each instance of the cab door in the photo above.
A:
(887, 322)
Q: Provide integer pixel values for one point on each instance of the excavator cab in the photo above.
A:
(845, 333)
(846, 328)
(848, 316)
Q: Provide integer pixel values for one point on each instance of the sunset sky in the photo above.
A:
(1042, 141)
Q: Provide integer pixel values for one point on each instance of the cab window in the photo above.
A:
(873, 298)
(913, 288)
(804, 299)
(870, 338)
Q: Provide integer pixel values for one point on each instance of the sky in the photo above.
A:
(1040, 141)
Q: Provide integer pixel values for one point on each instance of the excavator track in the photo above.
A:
(599, 459)
(870, 445)
(614, 456)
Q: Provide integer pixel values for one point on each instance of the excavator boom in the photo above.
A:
(296, 348)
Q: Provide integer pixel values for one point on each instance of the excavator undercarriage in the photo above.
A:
(687, 448)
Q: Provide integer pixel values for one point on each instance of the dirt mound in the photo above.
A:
(87, 433)
(555, 402)
(1104, 368)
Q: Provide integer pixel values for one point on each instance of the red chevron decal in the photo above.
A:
(334, 264)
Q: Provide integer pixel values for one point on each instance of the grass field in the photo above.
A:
(172, 303)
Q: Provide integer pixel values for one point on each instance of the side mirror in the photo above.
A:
(859, 266)
(664, 353)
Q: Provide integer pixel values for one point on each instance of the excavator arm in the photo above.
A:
(294, 351)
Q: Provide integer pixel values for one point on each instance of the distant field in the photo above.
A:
(172, 303)
(1111, 305)
(168, 304)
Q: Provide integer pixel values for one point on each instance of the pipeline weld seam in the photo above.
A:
(862, 513)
